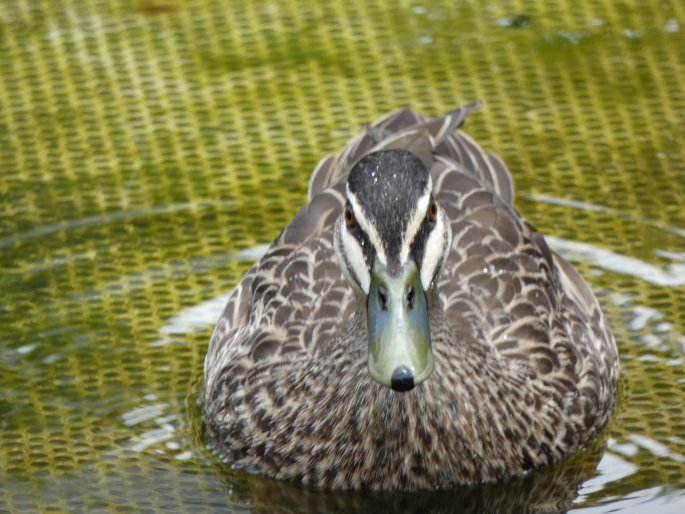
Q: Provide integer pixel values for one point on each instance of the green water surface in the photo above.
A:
(150, 149)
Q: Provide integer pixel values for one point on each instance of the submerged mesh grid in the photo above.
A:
(148, 149)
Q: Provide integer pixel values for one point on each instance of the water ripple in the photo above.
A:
(103, 219)
(673, 275)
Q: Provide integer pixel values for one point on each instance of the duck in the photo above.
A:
(408, 330)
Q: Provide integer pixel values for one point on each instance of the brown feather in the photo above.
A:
(525, 363)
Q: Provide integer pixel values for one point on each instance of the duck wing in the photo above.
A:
(502, 283)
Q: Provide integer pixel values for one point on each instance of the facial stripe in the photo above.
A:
(352, 257)
(415, 222)
(367, 227)
(435, 249)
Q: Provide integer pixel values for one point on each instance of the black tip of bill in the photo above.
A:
(402, 379)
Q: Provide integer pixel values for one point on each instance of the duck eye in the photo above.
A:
(349, 216)
(432, 213)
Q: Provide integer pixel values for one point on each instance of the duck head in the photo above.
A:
(391, 240)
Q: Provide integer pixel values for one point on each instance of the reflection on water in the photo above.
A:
(199, 317)
(655, 447)
(553, 490)
(141, 419)
(585, 206)
(673, 275)
(101, 220)
(653, 499)
(611, 468)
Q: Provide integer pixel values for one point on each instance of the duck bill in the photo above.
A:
(400, 353)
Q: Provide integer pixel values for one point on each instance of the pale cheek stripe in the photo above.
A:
(434, 251)
(414, 224)
(355, 258)
(341, 255)
(370, 230)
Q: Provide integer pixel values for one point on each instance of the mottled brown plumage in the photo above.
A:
(525, 364)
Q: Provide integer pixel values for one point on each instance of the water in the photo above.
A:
(149, 151)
